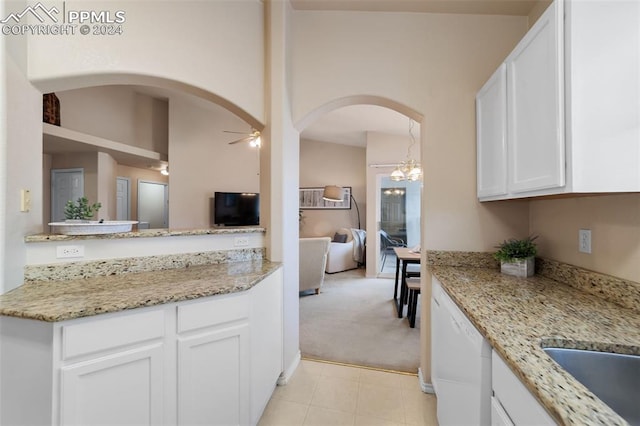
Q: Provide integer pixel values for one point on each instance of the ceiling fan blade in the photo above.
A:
(239, 133)
(247, 139)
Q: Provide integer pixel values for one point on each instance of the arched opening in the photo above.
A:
(134, 127)
(366, 131)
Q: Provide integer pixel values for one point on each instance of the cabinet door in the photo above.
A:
(213, 377)
(535, 106)
(499, 417)
(491, 118)
(118, 389)
(266, 341)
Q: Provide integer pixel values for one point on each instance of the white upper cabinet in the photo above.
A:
(572, 106)
(491, 112)
(535, 106)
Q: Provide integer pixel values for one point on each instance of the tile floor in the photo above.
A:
(326, 394)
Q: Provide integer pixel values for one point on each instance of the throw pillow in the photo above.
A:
(339, 238)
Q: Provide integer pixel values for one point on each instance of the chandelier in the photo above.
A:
(409, 169)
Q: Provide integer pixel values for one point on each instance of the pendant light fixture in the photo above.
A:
(409, 169)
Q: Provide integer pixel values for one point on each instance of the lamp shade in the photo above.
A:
(333, 193)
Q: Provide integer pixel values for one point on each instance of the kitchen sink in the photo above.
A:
(614, 378)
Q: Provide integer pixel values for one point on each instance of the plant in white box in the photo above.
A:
(517, 257)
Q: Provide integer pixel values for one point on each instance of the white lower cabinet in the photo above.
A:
(123, 388)
(512, 403)
(213, 381)
(213, 361)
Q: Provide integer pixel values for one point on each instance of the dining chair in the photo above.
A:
(387, 243)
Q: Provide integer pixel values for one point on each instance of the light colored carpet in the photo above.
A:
(353, 320)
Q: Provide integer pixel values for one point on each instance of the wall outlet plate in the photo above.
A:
(584, 241)
(64, 252)
(241, 241)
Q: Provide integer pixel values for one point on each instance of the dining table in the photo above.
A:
(404, 257)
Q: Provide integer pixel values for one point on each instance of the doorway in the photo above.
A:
(153, 204)
(399, 218)
(123, 198)
(66, 184)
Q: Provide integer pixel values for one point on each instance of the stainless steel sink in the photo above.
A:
(614, 378)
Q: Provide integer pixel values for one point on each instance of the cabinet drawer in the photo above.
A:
(94, 335)
(210, 313)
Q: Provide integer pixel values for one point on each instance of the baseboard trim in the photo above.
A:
(286, 375)
(426, 387)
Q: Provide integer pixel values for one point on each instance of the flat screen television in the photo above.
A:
(236, 209)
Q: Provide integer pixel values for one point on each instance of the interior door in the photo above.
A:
(123, 208)
(123, 197)
(153, 204)
(66, 184)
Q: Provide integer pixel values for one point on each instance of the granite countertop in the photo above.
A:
(64, 300)
(145, 233)
(519, 316)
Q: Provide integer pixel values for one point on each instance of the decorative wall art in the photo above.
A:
(311, 199)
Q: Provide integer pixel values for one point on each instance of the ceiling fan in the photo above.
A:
(253, 138)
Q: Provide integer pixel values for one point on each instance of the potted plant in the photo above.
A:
(80, 210)
(517, 257)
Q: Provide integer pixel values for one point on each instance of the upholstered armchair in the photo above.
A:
(313, 260)
(340, 257)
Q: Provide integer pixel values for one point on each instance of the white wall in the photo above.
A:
(201, 160)
(23, 132)
(332, 164)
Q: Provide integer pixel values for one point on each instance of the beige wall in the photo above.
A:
(332, 164)
(538, 10)
(432, 64)
(116, 113)
(218, 49)
(106, 186)
(201, 160)
(614, 221)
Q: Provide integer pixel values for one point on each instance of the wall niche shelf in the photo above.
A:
(59, 140)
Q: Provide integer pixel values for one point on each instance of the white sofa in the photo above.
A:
(340, 257)
(313, 259)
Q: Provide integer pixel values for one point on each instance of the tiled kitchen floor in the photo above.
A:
(326, 394)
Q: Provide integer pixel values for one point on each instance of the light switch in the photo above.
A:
(25, 200)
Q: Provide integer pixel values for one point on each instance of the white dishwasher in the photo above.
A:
(460, 364)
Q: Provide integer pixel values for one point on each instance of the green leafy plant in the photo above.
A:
(512, 249)
(80, 209)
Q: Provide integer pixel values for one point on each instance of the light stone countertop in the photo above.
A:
(54, 301)
(519, 316)
(146, 233)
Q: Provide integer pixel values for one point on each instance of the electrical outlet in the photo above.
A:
(63, 252)
(241, 241)
(584, 241)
